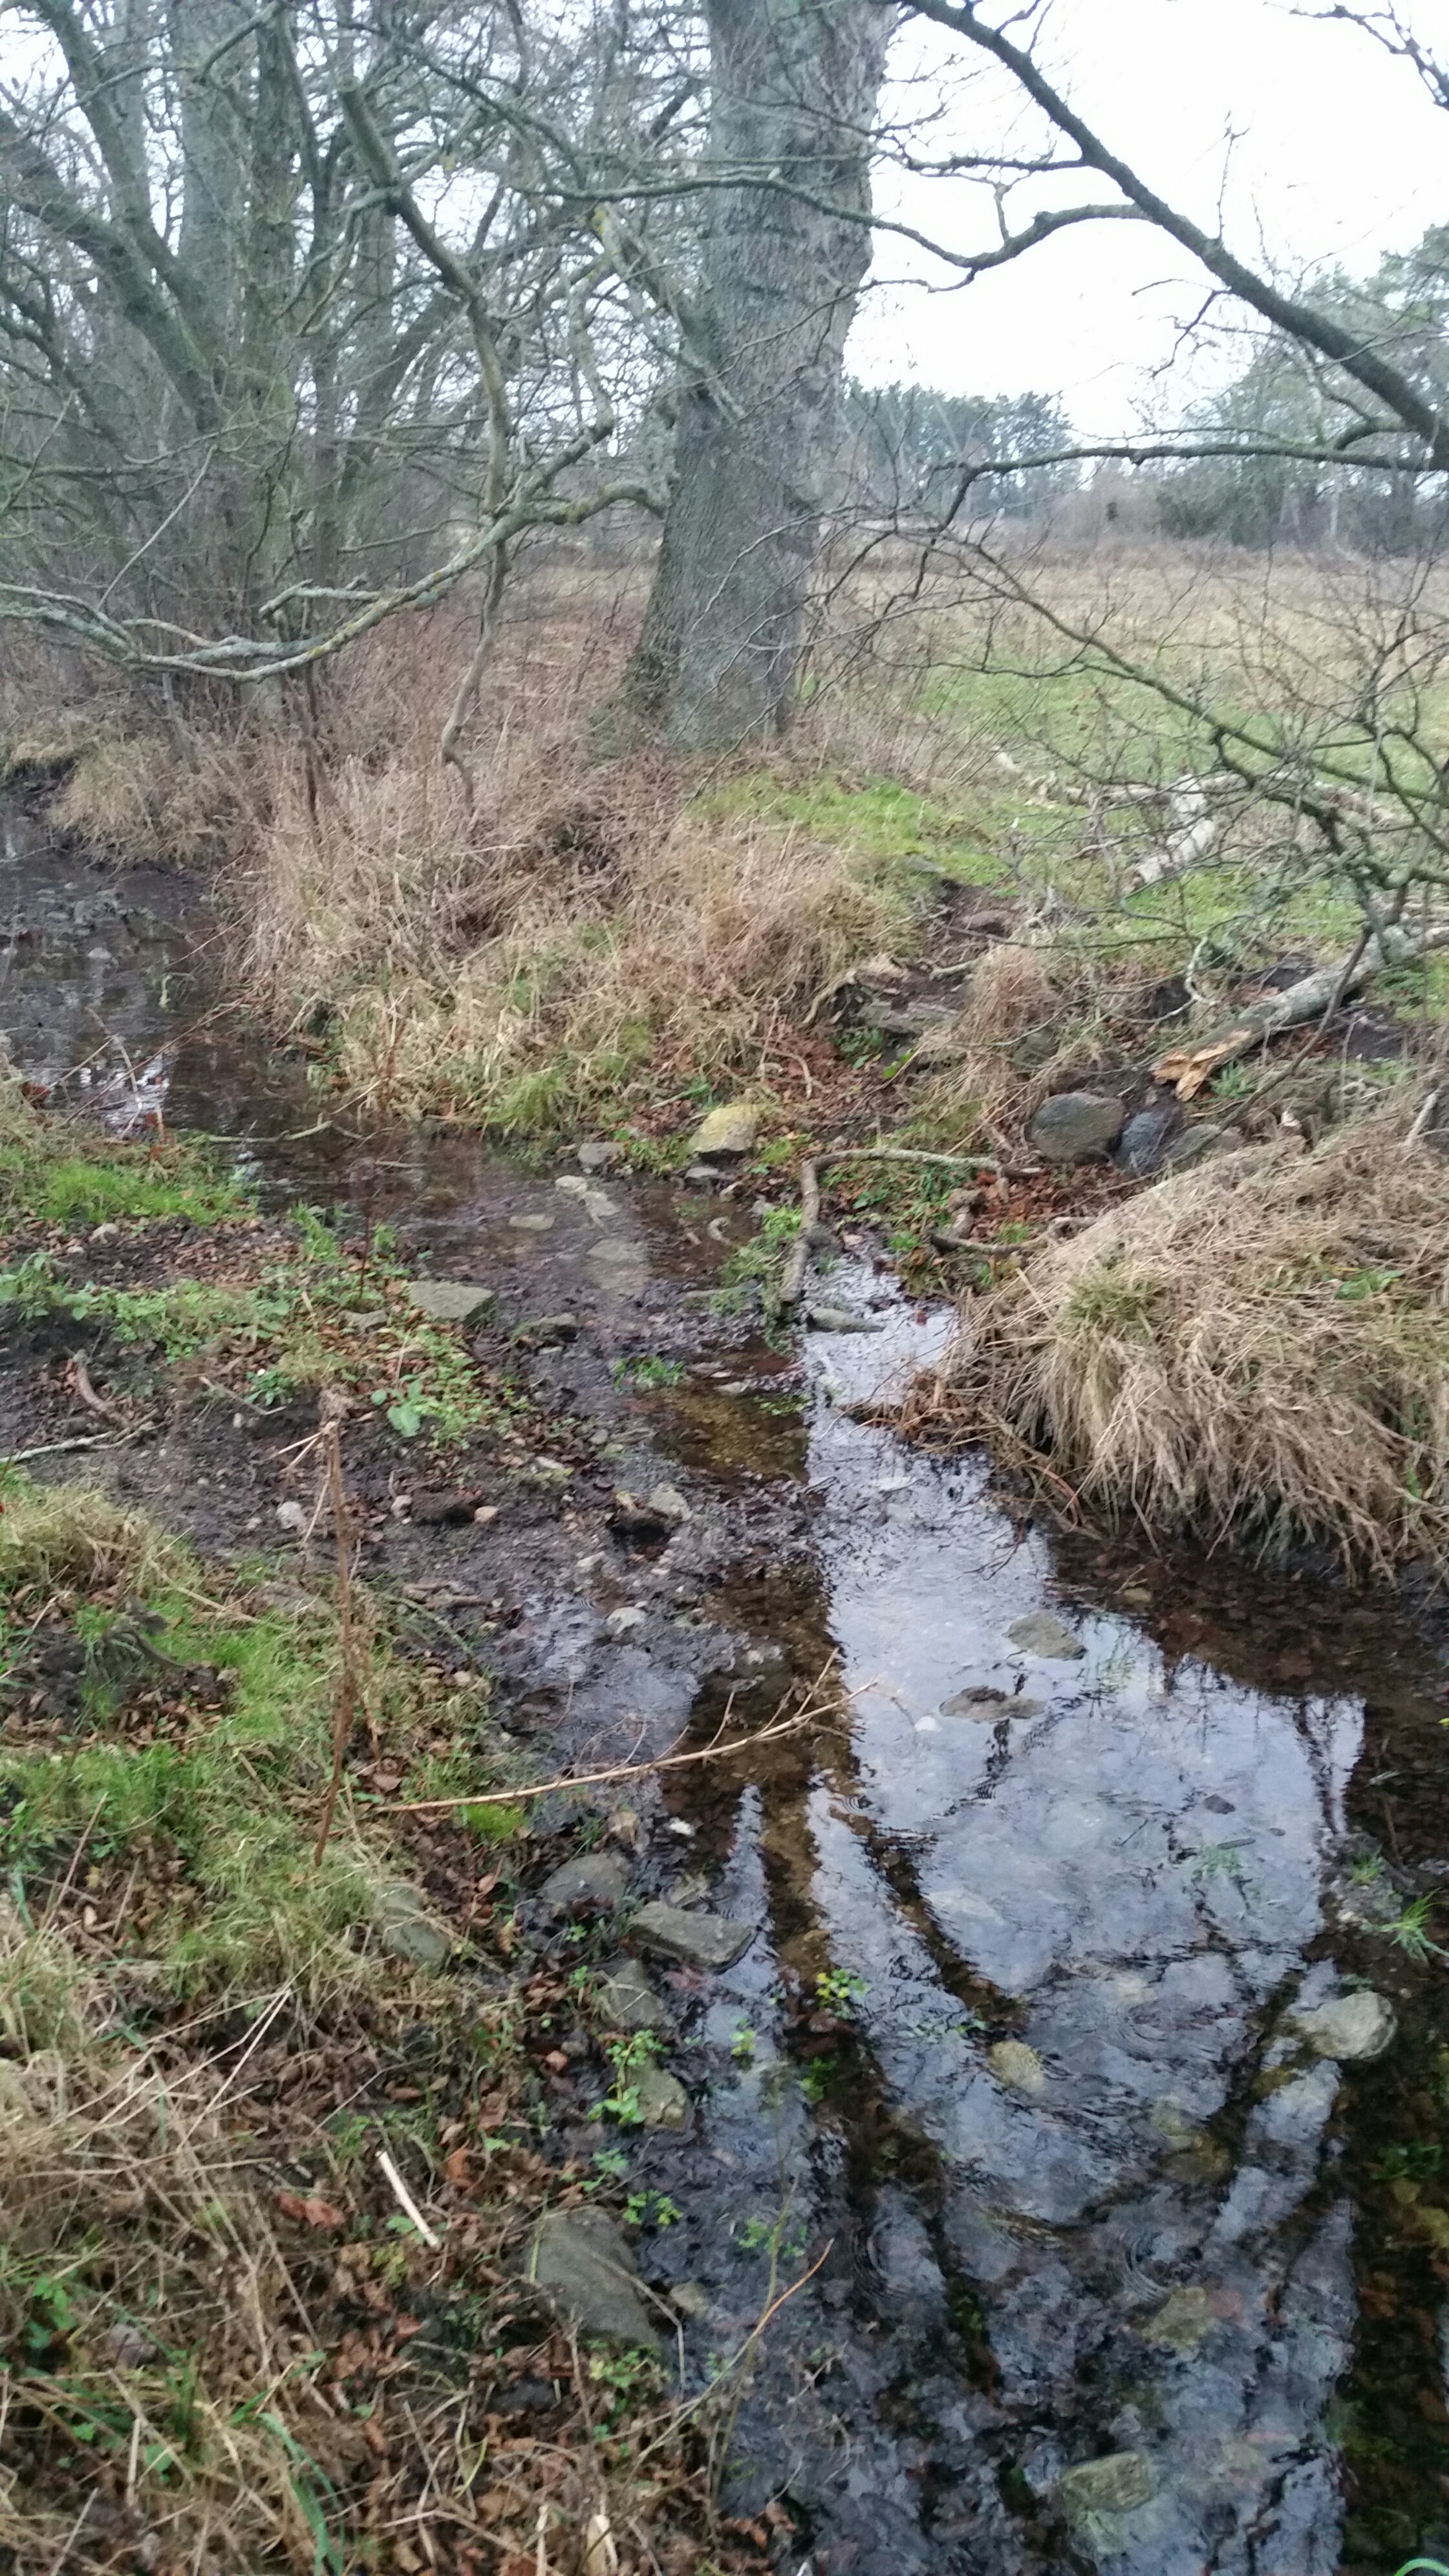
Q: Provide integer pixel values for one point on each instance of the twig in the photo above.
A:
(345, 1704)
(774, 1733)
(54, 1448)
(406, 2202)
(793, 1281)
(1421, 1121)
(73, 2535)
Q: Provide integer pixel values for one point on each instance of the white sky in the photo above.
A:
(1317, 145)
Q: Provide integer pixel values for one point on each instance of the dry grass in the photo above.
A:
(505, 961)
(1257, 1349)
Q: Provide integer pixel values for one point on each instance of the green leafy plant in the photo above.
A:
(647, 1374)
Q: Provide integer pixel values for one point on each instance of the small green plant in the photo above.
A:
(628, 2057)
(742, 2046)
(1416, 2160)
(1368, 1867)
(646, 1374)
(1409, 1931)
(651, 2209)
(839, 1990)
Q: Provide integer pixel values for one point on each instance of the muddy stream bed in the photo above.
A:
(1112, 2267)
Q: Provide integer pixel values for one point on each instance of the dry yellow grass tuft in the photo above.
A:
(503, 958)
(1259, 1348)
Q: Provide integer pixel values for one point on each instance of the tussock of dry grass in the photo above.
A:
(55, 1538)
(1258, 1348)
(505, 960)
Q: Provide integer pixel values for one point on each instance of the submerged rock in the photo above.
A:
(1016, 2065)
(1076, 1126)
(711, 1941)
(595, 1878)
(450, 1301)
(1042, 1633)
(1183, 2318)
(1117, 2484)
(1352, 2026)
(726, 1132)
(838, 1319)
(584, 2268)
(990, 1704)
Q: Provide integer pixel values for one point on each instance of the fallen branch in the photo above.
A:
(793, 1282)
(1313, 997)
(774, 1733)
(910, 1154)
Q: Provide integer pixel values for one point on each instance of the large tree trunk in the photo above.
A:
(794, 88)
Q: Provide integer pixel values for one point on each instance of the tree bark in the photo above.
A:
(794, 85)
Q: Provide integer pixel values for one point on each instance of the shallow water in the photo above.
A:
(1073, 2190)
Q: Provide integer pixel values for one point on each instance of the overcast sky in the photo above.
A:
(1316, 144)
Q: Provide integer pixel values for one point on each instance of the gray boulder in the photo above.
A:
(1076, 1126)
(586, 2272)
(1147, 1139)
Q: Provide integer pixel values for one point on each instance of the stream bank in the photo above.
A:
(1102, 2259)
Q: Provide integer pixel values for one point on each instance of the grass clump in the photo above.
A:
(52, 1173)
(148, 1717)
(1259, 1349)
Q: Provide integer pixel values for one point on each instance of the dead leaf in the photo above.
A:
(601, 2558)
(556, 2062)
(310, 2212)
(1190, 1067)
(459, 2169)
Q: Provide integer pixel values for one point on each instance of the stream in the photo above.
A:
(1110, 2267)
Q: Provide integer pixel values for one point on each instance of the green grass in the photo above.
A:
(231, 1792)
(57, 1175)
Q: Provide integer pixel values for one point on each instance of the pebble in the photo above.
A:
(623, 1621)
(596, 1155)
(293, 1516)
(837, 1319)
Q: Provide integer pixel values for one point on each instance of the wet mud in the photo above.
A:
(1075, 2248)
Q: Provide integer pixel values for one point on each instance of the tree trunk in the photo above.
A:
(794, 88)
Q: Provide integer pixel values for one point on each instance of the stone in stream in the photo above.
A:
(838, 1319)
(1117, 2484)
(596, 1154)
(586, 2272)
(622, 1622)
(1042, 1633)
(726, 1132)
(531, 1224)
(1183, 2319)
(1076, 1126)
(595, 1878)
(667, 1502)
(990, 1704)
(548, 1332)
(404, 1930)
(710, 1941)
(1356, 2025)
(1017, 2066)
(627, 2000)
(662, 2099)
(450, 1301)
